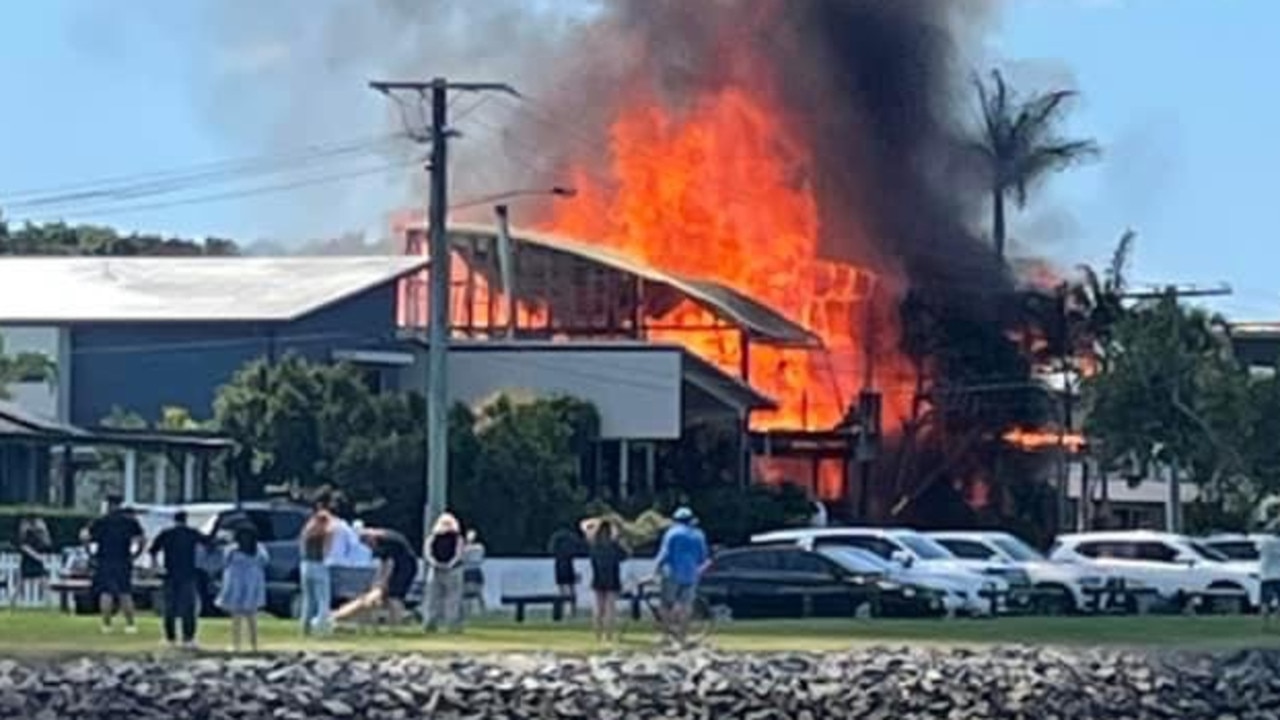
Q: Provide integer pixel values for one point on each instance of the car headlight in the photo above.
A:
(1091, 581)
(960, 594)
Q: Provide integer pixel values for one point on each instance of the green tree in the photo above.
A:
(24, 367)
(1019, 145)
(523, 480)
(59, 238)
(1171, 393)
(293, 420)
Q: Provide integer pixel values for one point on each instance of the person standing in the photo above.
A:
(606, 555)
(179, 546)
(473, 571)
(118, 540)
(244, 585)
(317, 588)
(33, 543)
(1269, 573)
(680, 561)
(565, 546)
(442, 600)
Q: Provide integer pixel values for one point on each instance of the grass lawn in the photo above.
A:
(46, 634)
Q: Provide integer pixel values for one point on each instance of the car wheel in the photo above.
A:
(1054, 600)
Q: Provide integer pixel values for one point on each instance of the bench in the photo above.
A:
(556, 601)
(68, 588)
(145, 588)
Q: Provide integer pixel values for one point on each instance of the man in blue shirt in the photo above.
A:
(680, 561)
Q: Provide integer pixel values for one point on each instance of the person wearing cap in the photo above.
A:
(179, 546)
(680, 560)
(118, 539)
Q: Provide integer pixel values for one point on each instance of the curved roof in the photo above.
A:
(763, 323)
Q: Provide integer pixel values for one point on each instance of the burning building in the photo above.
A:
(780, 188)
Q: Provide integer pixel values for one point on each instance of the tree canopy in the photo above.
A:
(59, 238)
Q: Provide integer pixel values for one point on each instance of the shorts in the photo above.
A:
(401, 580)
(113, 579)
(565, 574)
(678, 595)
(1270, 592)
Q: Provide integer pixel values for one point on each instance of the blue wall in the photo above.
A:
(143, 367)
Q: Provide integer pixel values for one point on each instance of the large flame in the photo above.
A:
(721, 191)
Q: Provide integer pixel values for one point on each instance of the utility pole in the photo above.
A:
(440, 270)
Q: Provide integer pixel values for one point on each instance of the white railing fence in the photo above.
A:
(31, 596)
(503, 576)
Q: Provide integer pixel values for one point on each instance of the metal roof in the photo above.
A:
(18, 422)
(764, 323)
(37, 290)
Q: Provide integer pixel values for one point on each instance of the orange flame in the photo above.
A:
(1044, 439)
(721, 192)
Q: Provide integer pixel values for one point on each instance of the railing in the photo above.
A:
(510, 576)
(32, 596)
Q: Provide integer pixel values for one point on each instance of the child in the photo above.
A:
(244, 585)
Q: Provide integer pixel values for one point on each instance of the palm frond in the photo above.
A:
(1115, 275)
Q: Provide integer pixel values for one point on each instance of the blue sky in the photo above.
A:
(1183, 94)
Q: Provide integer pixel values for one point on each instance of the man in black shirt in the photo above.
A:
(180, 545)
(119, 539)
(397, 568)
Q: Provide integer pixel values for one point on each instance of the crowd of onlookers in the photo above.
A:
(452, 560)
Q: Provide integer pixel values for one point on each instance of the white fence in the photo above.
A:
(503, 576)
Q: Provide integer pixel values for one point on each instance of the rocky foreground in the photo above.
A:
(882, 684)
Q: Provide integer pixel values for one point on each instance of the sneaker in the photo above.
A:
(130, 629)
(107, 630)
(190, 645)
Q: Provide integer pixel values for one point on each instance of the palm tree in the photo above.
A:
(1018, 144)
(24, 367)
(1100, 298)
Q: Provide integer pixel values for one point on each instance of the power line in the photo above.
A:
(199, 171)
(231, 195)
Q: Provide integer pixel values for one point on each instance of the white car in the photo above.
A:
(957, 588)
(985, 546)
(1174, 565)
(906, 548)
(1238, 547)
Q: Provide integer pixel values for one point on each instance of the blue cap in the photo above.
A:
(682, 514)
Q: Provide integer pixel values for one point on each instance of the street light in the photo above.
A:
(553, 191)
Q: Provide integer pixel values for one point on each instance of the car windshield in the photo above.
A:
(1207, 553)
(1236, 549)
(855, 560)
(1016, 549)
(923, 547)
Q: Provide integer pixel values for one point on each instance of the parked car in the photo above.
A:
(1177, 567)
(1238, 547)
(787, 581)
(909, 548)
(1062, 585)
(278, 528)
(956, 589)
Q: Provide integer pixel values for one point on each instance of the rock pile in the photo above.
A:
(872, 684)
